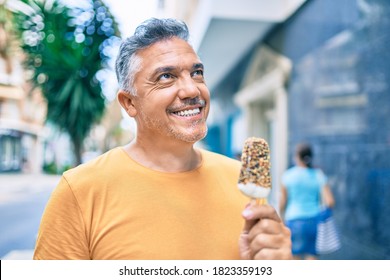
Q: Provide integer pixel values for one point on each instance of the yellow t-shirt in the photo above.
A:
(115, 208)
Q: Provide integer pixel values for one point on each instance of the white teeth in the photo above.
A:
(187, 113)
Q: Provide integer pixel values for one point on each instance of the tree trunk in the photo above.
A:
(78, 147)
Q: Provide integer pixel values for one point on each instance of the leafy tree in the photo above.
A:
(6, 40)
(65, 49)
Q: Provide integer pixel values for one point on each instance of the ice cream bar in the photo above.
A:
(255, 174)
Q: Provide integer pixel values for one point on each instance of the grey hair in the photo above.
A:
(147, 33)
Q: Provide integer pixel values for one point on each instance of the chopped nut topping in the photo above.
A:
(256, 163)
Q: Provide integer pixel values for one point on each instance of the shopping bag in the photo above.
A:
(327, 240)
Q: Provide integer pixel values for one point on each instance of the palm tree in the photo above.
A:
(6, 41)
(65, 49)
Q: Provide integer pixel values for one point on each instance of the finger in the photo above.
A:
(271, 228)
(248, 225)
(256, 212)
(278, 238)
(263, 240)
(253, 213)
(273, 254)
(265, 226)
(245, 251)
(271, 246)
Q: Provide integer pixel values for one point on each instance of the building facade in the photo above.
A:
(339, 100)
(317, 72)
(22, 111)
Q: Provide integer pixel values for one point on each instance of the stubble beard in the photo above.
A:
(196, 132)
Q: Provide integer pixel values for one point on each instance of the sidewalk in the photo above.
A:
(24, 255)
(15, 185)
(15, 188)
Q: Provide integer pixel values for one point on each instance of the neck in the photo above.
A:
(300, 163)
(172, 157)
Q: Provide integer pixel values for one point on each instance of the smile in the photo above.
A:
(188, 113)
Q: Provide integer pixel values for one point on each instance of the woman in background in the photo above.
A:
(304, 188)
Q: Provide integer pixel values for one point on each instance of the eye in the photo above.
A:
(165, 76)
(197, 73)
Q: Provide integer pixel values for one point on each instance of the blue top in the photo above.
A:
(303, 191)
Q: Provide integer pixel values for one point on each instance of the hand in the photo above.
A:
(264, 235)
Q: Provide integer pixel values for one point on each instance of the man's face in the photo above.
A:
(172, 98)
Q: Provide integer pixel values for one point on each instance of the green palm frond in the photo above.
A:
(65, 53)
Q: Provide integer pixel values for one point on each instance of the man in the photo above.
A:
(159, 197)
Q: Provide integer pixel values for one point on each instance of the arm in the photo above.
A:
(282, 200)
(264, 235)
(62, 234)
(327, 196)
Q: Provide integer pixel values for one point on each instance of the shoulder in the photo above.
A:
(289, 172)
(98, 162)
(321, 175)
(290, 175)
(96, 169)
(319, 171)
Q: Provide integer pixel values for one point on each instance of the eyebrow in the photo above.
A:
(165, 69)
(197, 66)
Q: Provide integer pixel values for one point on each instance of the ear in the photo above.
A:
(127, 102)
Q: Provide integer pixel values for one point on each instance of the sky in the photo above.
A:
(129, 13)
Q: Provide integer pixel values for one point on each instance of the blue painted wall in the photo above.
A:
(339, 100)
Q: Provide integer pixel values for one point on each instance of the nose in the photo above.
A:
(188, 88)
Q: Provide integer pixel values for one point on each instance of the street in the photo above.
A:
(22, 201)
